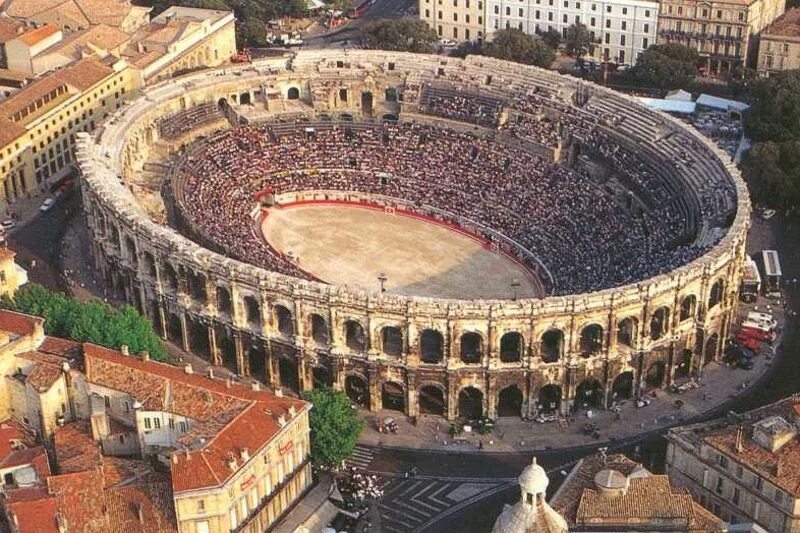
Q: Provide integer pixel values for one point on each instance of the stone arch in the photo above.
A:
(130, 249)
(710, 349)
(196, 283)
(552, 345)
(227, 349)
(355, 338)
(512, 346)
(174, 328)
(471, 347)
(549, 398)
(289, 375)
(470, 403)
(628, 331)
(356, 387)
(284, 320)
(589, 393)
(244, 98)
(656, 373)
(293, 93)
(256, 362)
(431, 400)
(659, 323)
(622, 387)
(688, 307)
(170, 277)
(509, 401)
(252, 311)
(591, 340)
(319, 330)
(392, 341)
(224, 301)
(431, 346)
(149, 263)
(389, 117)
(393, 396)
(716, 293)
(321, 377)
(198, 338)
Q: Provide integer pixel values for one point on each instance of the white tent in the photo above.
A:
(670, 106)
(721, 103)
(679, 94)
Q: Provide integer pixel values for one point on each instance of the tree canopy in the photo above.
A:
(92, 321)
(669, 66)
(334, 427)
(775, 113)
(579, 41)
(515, 45)
(401, 35)
(772, 171)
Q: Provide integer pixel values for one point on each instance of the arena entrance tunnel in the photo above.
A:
(470, 403)
(357, 390)
(431, 400)
(393, 396)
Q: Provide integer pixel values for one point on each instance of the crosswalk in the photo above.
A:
(361, 458)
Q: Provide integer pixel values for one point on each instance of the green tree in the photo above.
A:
(775, 113)
(334, 427)
(772, 172)
(467, 48)
(668, 66)
(91, 321)
(552, 38)
(251, 32)
(579, 41)
(402, 35)
(515, 45)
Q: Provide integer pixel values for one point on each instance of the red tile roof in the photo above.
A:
(228, 418)
(34, 515)
(39, 34)
(19, 323)
(76, 451)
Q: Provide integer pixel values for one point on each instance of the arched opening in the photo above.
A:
(257, 362)
(470, 403)
(710, 353)
(198, 339)
(393, 396)
(174, 330)
(509, 402)
(431, 346)
(288, 373)
(293, 93)
(197, 286)
(659, 323)
(392, 341)
(244, 98)
(688, 307)
(170, 278)
(715, 296)
(591, 340)
(622, 388)
(549, 398)
(589, 394)
(130, 250)
(431, 401)
(224, 303)
(346, 117)
(366, 103)
(511, 347)
(685, 366)
(252, 311)
(357, 390)
(355, 339)
(227, 350)
(655, 374)
(149, 264)
(552, 344)
(322, 378)
(319, 330)
(391, 94)
(471, 347)
(627, 331)
(285, 321)
(390, 118)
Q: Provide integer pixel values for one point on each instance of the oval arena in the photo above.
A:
(254, 213)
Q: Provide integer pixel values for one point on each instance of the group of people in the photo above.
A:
(579, 231)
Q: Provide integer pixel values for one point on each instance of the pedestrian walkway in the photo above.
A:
(361, 458)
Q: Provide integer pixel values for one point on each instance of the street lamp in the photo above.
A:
(382, 280)
(514, 286)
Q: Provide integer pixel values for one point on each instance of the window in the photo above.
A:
(719, 13)
(565, 19)
(234, 521)
(608, 9)
(147, 423)
(201, 527)
(608, 38)
(107, 401)
(739, 471)
(496, 10)
(171, 423)
(623, 25)
(647, 13)
(722, 461)
(644, 43)
(508, 11)
(646, 28)
(592, 22)
(201, 506)
(705, 12)
(608, 23)
(741, 16)
(157, 423)
(466, 19)
(737, 495)
(719, 486)
(621, 41)
(785, 45)
(183, 427)
(127, 406)
(624, 10)
(779, 497)
(521, 12)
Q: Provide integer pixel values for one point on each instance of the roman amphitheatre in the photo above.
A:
(451, 237)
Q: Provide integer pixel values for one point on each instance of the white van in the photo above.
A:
(762, 317)
(757, 325)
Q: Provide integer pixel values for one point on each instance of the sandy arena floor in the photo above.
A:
(351, 246)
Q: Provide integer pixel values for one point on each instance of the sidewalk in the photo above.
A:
(313, 512)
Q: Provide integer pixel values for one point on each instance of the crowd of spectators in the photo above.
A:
(579, 231)
(473, 108)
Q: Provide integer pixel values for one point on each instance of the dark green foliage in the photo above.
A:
(668, 66)
(579, 40)
(401, 35)
(92, 321)
(515, 45)
(334, 427)
(552, 38)
(775, 114)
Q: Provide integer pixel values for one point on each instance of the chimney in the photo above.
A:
(124, 349)
(255, 386)
(245, 454)
(738, 444)
(228, 383)
(292, 411)
(281, 421)
(139, 512)
(279, 392)
(145, 355)
(232, 464)
(211, 372)
(188, 368)
(174, 458)
(63, 527)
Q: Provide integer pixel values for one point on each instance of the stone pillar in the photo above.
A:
(452, 395)
(184, 333)
(491, 397)
(273, 369)
(412, 407)
(213, 349)
(305, 382)
(375, 402)
(241, 362)
(337, 371)
(161, 320)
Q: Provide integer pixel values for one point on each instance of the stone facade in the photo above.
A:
(299, 334)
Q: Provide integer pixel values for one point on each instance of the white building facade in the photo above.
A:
(622, 28)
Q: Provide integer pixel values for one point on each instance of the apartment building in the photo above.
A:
(779, 47)
(621, 28)
(744, 468)
(145, 446)
(724, 32)
(455, 20)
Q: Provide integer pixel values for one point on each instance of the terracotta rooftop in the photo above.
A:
(229, 418)
(76, 451)
(9, 28)
(99, 37)
(18, 323)
(787, 25)
(39, 34)
(37, 515)
(649, 501)
(80, 12)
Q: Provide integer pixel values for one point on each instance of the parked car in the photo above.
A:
(8, 224)
(47, 205)
(764, 318)
(757, 334)
(447, 42)
(768, 214)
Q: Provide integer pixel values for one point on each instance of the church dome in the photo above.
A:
(534, 479)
